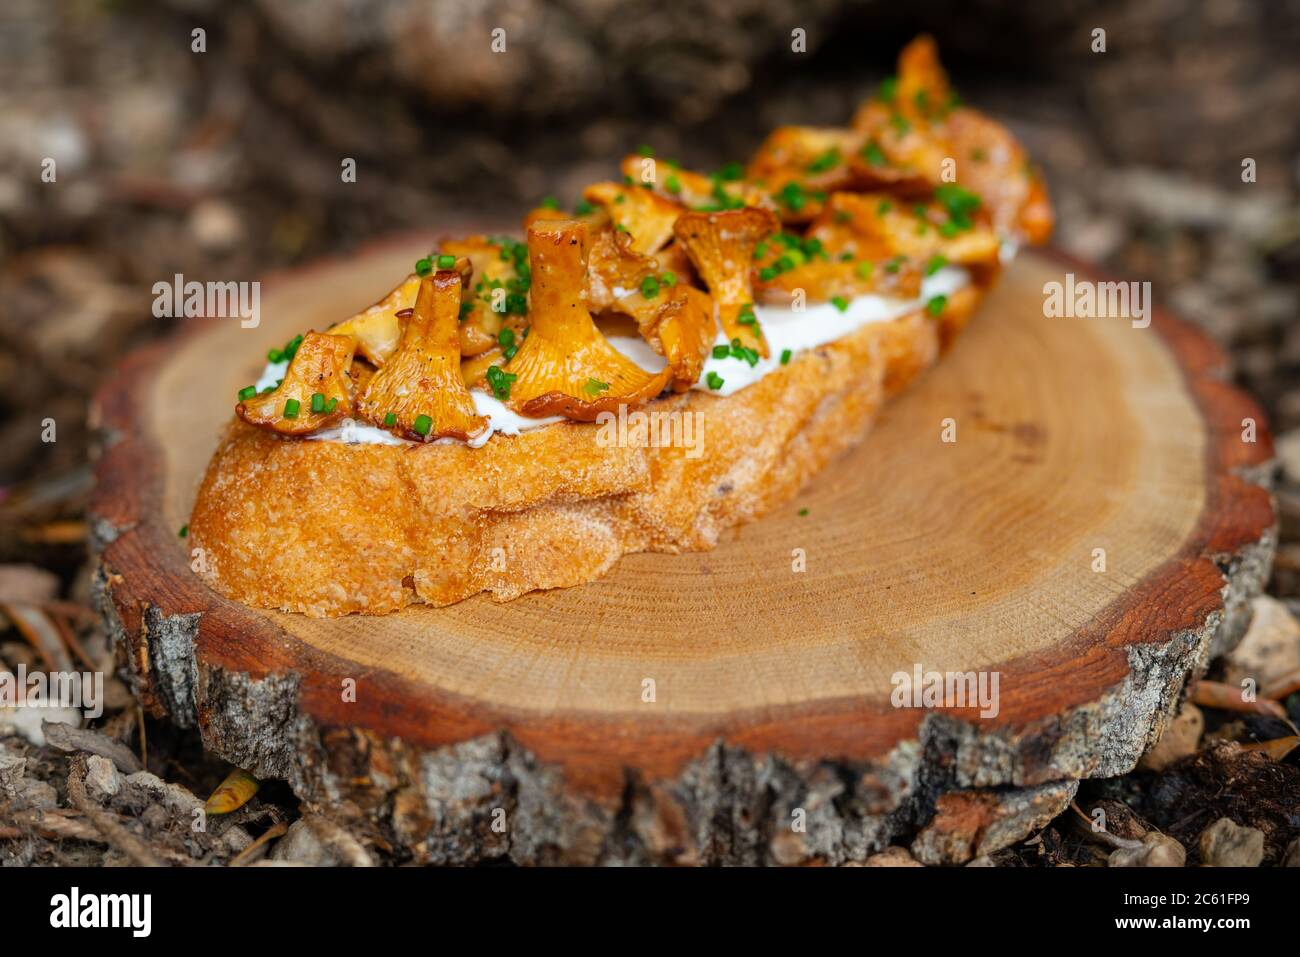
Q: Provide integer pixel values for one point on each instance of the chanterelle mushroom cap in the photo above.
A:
(377, 328)
(319, 367)
(683, 331)
(875, 226)
(721, 245)
(566, 366)
(725, 189)
(419, 393)
(640, 212)
(613, 268)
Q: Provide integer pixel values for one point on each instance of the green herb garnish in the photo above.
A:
(500, 382)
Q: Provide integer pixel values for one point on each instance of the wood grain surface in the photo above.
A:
(1072, 435)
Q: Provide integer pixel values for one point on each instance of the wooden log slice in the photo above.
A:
(528, 729)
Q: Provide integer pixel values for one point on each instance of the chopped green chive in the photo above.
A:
(645, 150)
(423, 266)
(500, 381)
(318, 402)
(901, 126)
(767, 273)
(803, 511)
(673, 184)
(184, 532)
(549, 202)
(649, 287)
(840, 303)
(730, 172)
(247, 392)
(669, 278)
(894, 264)
(331, 405)
(721, 352)
(792, 195)
(714, 381)
(422, 425)
(583, 208)
(937, 262)
(936, 305)
(826, 161)
(274, 356)
(291, 407)
(465, 309)
(747, 317)
(506, 339)
(873, 154)
(960, 203)
(863, 269)
(446, 261)
(888, 89)
(785, 356)
(595, 387)
(390, 419)
(884, 207)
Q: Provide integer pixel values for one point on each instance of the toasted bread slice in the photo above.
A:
(326, 528)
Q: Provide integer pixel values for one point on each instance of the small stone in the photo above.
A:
(1157, 850)
(1287, 448)
(27, 584)
(1270, 648)
(235, 839)
(1291, 856)
(1227, 844)
(300, 845)
(174, 798)
(102, 779)
(1180, 738)
(788, 848)
(215, 225)
(892, 857)
(154, 817)
(12, 767)
(39, 795)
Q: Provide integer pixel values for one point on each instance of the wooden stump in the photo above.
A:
(525, 729)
